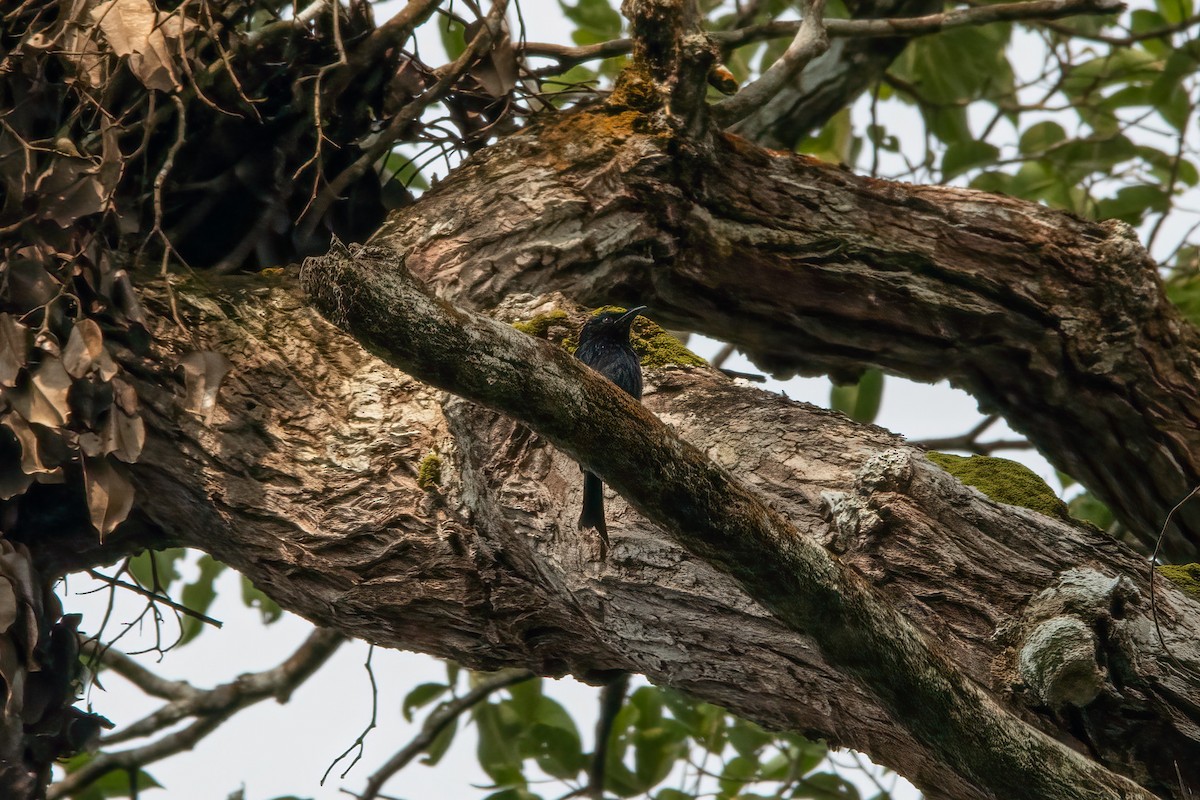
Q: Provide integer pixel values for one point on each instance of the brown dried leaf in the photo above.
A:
(81, 45)
(109, 494)
(497, 71)
(43, 399)
(125, 395)
(14, 348)
(124, 436)
(85, 351)
(8, 604)
(134, 29)
(33, 459)
(203, 371)
(71, 189)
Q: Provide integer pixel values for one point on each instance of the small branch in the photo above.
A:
(156, 597)
(969, 441)
(448, 76)
(211, 706)
(810, 41)
(1037, 10)
(437, 721)
(129, 669)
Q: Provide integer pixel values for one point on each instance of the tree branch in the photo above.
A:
(1059, 324)
(315, 445)
(810, 41)
(714, 518)
(212, 707)
(850, 28)
(437, 721)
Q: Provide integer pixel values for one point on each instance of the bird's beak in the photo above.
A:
(627, 318)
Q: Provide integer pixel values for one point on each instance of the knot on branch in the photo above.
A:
(1064, 632)
(855, 515)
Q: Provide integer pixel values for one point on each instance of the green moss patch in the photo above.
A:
(1004, 481)
(1185, 576)
(429, 474)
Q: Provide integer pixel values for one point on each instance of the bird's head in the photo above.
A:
(610, 325)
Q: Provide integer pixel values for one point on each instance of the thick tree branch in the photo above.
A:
(307, 481)
(712, 516)
(1058, 323)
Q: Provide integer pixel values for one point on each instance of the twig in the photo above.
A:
(362, 737)
(449, 75)
(811, 40)
(1036, 10)
(212, 706)
(129, 669)
(437, 721)
(156, 597)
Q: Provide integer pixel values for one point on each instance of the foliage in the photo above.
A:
(662, 744)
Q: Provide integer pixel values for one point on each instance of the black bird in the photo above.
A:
(604, 346)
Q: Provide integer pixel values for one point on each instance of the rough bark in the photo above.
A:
(1058, 323)
(306, 478)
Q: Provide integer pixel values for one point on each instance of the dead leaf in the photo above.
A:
(109, 494)
(8, 604)
(82, 46)
(14, 349)
(135, 30)
(124, 436)
(43, 399)
(125, 299)
(85, 351)
(71, 188)
(497, 71)
(33, 458)
(203, 371)
(125, 395)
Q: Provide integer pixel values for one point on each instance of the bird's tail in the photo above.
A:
(592, 515)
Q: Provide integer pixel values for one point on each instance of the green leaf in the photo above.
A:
(1132, 203)
(826, 786)
(497, 747)
(748, 739)
(421, 696)
(253, 597)
(958, 65)
(739, 772)
(198, 596)
(453, 36)
(1174, 11)
(656, 751)
(1123, 65)
(526, 698)
(1041, 137)
(114, 783)
(166, 562)
(673, 794)
(440, 744)
(595, 20)
(836, 141)
(1087, 508)
(965, 155)
(859, 401)
(648, 700)
(558, 752)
